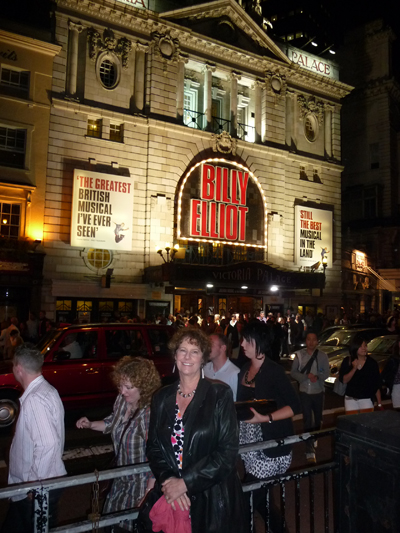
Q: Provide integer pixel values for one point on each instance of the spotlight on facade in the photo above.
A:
(324, 263)
(209, 285)
(314, 43)
(332, 52)
(244, 287)
(168, 250)
(273, 288)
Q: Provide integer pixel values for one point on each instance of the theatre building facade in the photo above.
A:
(193, 163)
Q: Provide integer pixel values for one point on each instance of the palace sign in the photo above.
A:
(221, 200)
(313, 63)
(141, 4)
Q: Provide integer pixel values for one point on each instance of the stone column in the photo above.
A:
(74, 30)
(235, 76)
(180, 87)
(328, 130)
(290, 105)
(209, 69)
(258, 89)
(140, 75)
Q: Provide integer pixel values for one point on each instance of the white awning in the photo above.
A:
(383, 283)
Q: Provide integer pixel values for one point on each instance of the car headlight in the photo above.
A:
(292, 355)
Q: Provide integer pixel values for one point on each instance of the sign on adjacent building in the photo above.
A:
(313, 236)
(141, 4)
(102, 210)
(221, 201)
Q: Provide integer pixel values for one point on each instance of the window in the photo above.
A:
(10, 220)
(94, 128)
(116, 132)
(15, 81)
(108, 72)
(374, 155)
(311, 128)
(12, 147)
(99, 258)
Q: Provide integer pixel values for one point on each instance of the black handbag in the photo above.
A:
(264, 407)
(143, 522)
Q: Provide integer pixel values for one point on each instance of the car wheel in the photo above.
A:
(8, 411)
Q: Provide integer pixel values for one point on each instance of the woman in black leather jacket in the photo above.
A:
(193, 442)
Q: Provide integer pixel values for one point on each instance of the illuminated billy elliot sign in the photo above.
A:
(214, 204)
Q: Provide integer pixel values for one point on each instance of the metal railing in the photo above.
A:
(246, 132)
(283, 482)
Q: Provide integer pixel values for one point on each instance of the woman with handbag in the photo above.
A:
(193, 446)
(261, 378)
(360, 374)
(137, 379)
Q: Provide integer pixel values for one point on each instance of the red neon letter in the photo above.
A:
(231, 222)
(234, 187)
(243, 181)
(204, 231)
(242, 223)
(222, 209)
(225, 197)
(207, 182)
(194, 216)
(213, 220)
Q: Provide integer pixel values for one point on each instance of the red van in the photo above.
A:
(78, 360)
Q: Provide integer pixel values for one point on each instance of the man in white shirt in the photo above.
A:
(220, 367)
(38, 443)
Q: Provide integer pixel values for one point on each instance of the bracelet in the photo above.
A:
(270, 418)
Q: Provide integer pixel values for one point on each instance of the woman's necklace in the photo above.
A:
(250, 381)
(188, 395)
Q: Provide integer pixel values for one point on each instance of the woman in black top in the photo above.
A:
(361, 375)
(261, 378)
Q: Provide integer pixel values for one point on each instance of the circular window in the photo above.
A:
(311, 128)
(99, 259)
(108, 70)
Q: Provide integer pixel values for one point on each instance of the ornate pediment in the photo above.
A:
(227, 22)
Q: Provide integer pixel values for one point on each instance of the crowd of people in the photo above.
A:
(190, 431)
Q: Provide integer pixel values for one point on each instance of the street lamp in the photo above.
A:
(170, 252)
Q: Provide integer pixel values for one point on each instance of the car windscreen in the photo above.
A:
(48, 340)
(340, 337)
(382, 345)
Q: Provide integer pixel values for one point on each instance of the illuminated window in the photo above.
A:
(290, 37)
(63, 305)
(16, 81)
(99, 258)
(107, 306)
(12, 147)
(116, 132)
(84, 306)
(274, 18)
(10, 220)
(94, 128)
(125, 307)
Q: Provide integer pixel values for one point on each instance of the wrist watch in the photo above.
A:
(270, 418)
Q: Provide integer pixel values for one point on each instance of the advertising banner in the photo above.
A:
(221, 201)
(102, 210)
(313, 236)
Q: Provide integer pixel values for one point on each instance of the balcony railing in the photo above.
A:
(193, 119)
(198, 121)
(246, 132)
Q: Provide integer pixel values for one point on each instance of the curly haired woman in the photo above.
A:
(137, 379)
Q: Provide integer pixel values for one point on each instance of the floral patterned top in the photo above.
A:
(177, 437)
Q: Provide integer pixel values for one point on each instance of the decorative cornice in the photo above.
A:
(166, 47)
(109, 43)
(146, 23)
(223, 143)
(311, 105)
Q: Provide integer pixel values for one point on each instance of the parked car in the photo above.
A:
(78, 360)
(379, 348)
